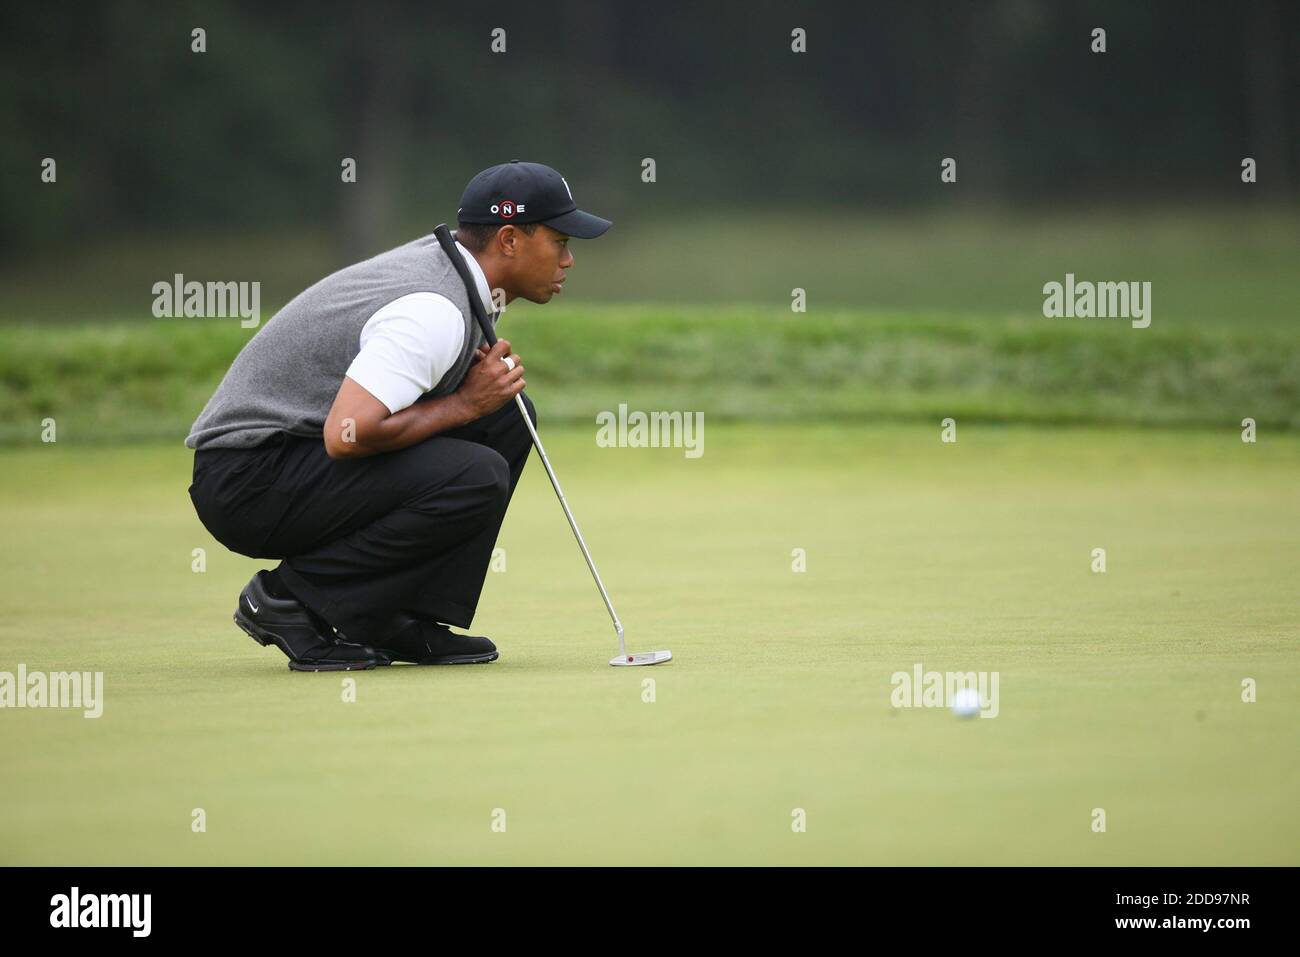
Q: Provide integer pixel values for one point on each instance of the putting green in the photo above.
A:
(1120, 691)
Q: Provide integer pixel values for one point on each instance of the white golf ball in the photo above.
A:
(966, 703)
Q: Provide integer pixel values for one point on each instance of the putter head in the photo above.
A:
(634, 658)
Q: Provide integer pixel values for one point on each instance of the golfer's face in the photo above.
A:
(545, 257)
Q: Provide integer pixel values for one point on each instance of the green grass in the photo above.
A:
(1119, 691)
(1217, 265)
(149, 380)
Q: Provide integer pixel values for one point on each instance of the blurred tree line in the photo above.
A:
(148, 134)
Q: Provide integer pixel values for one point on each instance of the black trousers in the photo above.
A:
(363, 540)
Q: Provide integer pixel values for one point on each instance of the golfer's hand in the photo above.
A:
(491, 383)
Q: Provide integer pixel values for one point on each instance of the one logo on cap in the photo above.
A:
(506, 208)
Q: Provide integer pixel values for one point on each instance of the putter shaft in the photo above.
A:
(573, 524)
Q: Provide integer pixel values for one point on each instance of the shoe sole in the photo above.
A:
(265, 637)
(461, 659)
(333, 665)
(447, 659)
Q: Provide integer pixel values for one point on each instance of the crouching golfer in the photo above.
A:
(368, 439)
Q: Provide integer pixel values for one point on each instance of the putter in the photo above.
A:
(623, 659)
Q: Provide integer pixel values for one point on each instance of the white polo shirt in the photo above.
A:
(408, 345)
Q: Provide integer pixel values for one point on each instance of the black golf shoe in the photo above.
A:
(287, 624)
(429, 643)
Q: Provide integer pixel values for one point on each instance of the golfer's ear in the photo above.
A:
(507, 237)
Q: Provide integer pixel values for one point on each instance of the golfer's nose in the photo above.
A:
(566, 261)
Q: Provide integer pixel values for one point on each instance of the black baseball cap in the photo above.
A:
(518, 192)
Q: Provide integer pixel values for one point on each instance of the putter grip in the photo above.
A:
(448, 244)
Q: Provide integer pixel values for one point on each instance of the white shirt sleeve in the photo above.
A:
(407, 347)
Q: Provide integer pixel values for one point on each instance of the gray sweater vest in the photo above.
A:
(286, 377)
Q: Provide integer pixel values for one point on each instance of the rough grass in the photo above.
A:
(1216, 265)
(149, 380)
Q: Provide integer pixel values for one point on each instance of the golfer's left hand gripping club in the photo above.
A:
(448, 245)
